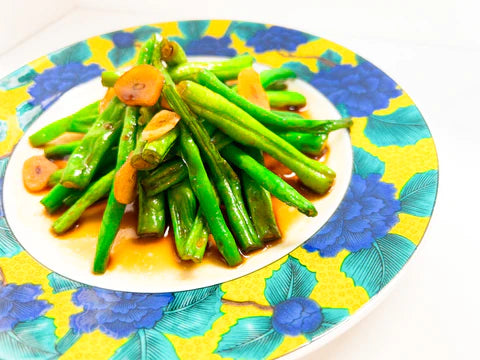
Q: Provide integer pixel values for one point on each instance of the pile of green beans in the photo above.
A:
(207, 175)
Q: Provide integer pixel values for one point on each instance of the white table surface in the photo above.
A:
(433, 51)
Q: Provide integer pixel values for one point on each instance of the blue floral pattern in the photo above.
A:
(19, 303)
(368, 212)
(54, 82)
(208, 45)
(277, 38)
(296, 316)
(115, 313)
(361, 89)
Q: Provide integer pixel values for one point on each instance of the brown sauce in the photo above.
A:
(152, 254)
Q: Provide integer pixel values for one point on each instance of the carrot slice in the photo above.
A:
(106, 99)
(250, 87)
(124, 184)
(161, 123)
(140, 86)
(36, 172)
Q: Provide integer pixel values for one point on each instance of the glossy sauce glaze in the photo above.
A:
(152, 254)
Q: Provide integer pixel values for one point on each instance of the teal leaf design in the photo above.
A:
(146, 345)
(331, 56)
(78, 53)
(374, 267)
(250, 338)
(30, 340)
(342, 110)
(302, 71)
(365, 163)
(331, 317)
(3, 165)
(59, 284)
(244, 30)
(403, 127)
(3, 130)
(119, 56)
(417, 196)
(193, 29)
(19, 77)
(192, 313)
(9, 246)
(291, 280)
(143, 33)
(27, 113)
(359, 59)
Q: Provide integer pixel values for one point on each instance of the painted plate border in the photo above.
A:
(309, 295)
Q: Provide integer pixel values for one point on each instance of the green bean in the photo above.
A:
(54, 199)
(183, 206)
(307, 143)
(94, 193)
(224, 70)
(137, 161)
(61, 150)
(54, 179)
(225, 179)
(114, 210)
(281, 99)
(155, 151)
(197, 239)
(57, 128)
(109, 78)
(206, 196)
(266, 117)
(165, 176)
(268, 180)
(151, 214)
(172, 53)
(84, 161)
(273, 77)
(245, 129)
(259, 203)
(288, 114)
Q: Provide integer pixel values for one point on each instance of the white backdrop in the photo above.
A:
(432, 49)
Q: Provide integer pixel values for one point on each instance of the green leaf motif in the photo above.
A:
(244, 30)
(193, 29)
(373, 268)
(418, 194)
(59, 284)
(9, 246)
(119, 56)
(76, 53)
(403, 127)
(302, 71)
(291, 280)
(30, 340)
(146, 345)
(192, 313)
(330, 56)
(331, 317)
(365, 163)
(143, 33)
(18, 78)
(251, 338)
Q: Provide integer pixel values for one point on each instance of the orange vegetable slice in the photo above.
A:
(124, 184)
(36, 172)
(60, 163)
(250, 87)
(140, 86)
(106, 99)
(161, 123)
(164, 103)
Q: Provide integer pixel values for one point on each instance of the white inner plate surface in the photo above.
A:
(30, 225)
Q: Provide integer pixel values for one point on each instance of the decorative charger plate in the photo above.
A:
(304, 297)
